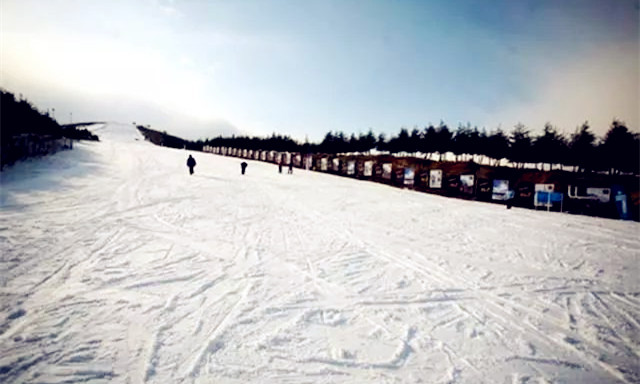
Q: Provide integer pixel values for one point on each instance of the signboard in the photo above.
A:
(351, 167)
(368, 168)
(544, 187)
(466, 184)
(386, 171)
(424, 178)
(435, 178)
(453, 182)
(602, 194)
(397, 175)
(621, 205)
(336, 164)
(324, 164)
(263, 155)
(547, 199)
(308, 162)
(500, 190)
(524, 191)
(484, 186)
(409, 174)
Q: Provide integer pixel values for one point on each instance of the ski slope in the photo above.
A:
(118, 266)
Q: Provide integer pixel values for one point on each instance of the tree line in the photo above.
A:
(617, 151)
(18, 117)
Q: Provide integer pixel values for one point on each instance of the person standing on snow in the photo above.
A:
(290, 166)
(191, 163)
(243, 165)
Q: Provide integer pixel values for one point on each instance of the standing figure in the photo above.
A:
(290, 167)
(243, 166)
(280, 167)
(191, 163)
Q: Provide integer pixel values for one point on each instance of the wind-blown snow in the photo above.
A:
(118, 266)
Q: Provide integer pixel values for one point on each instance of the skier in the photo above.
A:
(243, 165)
(290, 167)
(191, 162)
(280, 166)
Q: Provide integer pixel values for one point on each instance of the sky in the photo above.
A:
(199, 69)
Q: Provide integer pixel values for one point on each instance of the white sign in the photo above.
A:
(308, 162)
(351, 167)
(467, 180)
(435, 178)
(386, 171)
(544, 187)
(368, 168)
(603, 194)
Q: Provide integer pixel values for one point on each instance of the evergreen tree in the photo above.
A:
(582, 148)
(497, 146)
(550, 147)
(519, 145)
(620, 149)
(443, 140)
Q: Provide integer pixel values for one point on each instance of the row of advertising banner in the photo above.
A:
(535, 195)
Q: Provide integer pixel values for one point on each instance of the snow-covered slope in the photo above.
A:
(116, 265)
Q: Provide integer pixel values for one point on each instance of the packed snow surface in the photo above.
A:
(118, 266)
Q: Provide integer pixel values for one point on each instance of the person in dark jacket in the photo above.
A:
(243, 166)
(191, 163)
(290, 166)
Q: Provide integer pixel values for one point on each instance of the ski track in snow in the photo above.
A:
(117, 266)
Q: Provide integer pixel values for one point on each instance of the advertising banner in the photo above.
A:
(544, 187)
(467, 183)
(524, 191)
(500, 190)
(424, 178)
(547, 199)
(435, 178)
(351, 167)
(602, 194)
(386, 171)
(324, 164)
(621, 205)
(368, 168)
(484, 186)
(453, 183)
(409, 174)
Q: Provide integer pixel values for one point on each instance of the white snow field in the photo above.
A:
(118, 266)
